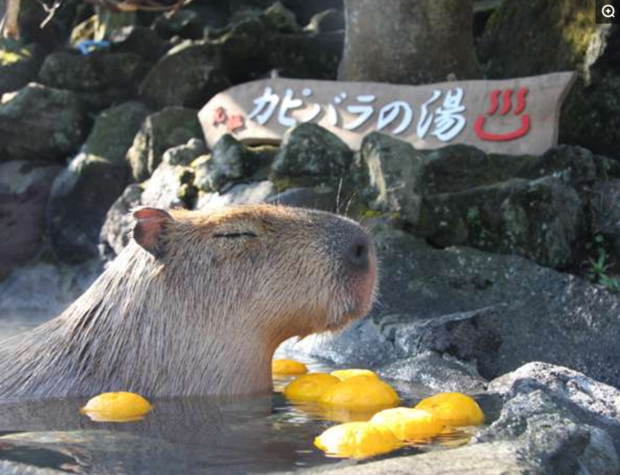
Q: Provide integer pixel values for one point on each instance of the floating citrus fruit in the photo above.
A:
(117, 407)
(453, 409)
(408, 424)
(357, 440)
(360, 393)
(288, 367)
(310, 387)
(343, 374)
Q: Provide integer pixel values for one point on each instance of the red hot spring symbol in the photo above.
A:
(506, 108)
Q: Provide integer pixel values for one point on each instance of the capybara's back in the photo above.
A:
(197, 304)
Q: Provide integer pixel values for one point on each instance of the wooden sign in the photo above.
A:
(516, 116)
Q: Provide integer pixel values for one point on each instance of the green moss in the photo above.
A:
(286, 183)
(579, 32)
(10, 56)
(370, 214)
(200, 161)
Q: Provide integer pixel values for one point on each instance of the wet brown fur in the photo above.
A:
(203, 317)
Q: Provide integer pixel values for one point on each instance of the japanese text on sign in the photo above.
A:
(493, 115)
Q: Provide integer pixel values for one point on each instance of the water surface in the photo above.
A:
(257, 434)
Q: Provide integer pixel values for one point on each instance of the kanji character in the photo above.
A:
(391, 112)
(507, 106)
(364, 111)
(426, 119)
(449, 121)
(265, 106)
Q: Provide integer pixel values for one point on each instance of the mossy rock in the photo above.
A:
(96, 72)
(541, 219)
(41, 123)
(19, 64)
(230, 161)
(161, 131)
(591, 116)
(530, 37)
(114, 131)
(311, 151)
(188, 75)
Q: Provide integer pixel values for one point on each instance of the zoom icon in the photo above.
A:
(607, 12)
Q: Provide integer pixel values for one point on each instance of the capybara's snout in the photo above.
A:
(357, 253)
(353, 248)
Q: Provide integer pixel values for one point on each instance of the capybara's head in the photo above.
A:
(282, 271)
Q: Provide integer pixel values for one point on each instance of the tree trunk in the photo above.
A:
(409, 41)
(9, 12)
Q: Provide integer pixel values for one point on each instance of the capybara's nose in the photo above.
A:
(358, 252)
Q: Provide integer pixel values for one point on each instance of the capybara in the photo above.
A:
(197, 303)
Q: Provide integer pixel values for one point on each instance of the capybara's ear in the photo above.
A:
(150, 229)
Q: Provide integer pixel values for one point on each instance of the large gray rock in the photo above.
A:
(395, 172)
(114, 131)
(459, 168)
(542, 220)
(439, 373)
(139, 40)
(361, 343)
(231, 161)
(253, 47)
(185, 154)
(115, 232)
(251, 193)
(605, 215)
(322, 198)
(19, 64)
(163, 188)
(564, 418)
(41, 123)
(593, 402)
(533, 206)
(188, 75)
(161, 131)
(438, 300)
(24, 190)
(95, 72)
(310, 151)
(80, 199)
